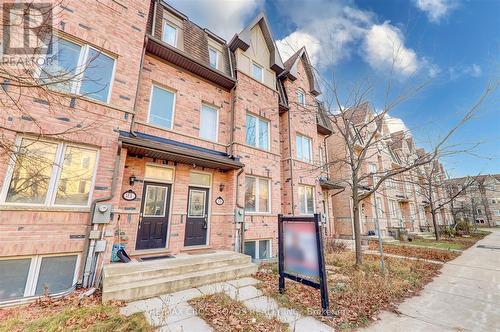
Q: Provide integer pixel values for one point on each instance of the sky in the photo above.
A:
(453, 46)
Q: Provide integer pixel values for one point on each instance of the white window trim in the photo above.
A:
(82, 58)
(301, 92)
(261, 80)
(164, 203)
(256, 253)
(151, 102)
(210, 48)
(34, 272)
(201, 185)
(160, 180)
(216, 123)
(166, 22)
(50, 197)
(309, 139)
(257, 193)
(258, 120)
(305, 200)
(205, 213)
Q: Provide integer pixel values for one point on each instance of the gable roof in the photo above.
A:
(357, 114)
(242, 40)
(291, 70)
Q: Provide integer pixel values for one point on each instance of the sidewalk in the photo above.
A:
(465, 297)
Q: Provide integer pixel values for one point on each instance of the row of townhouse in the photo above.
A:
(479, 202)
(187, 142)
(402, 201)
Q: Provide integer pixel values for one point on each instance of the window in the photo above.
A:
(169, 34)
(303, 148)
(209, 122)
(479, 211)
(306, 199)
(493, 201)
(49, 173)
(258, 249)
(159, 173)
(22, 277)
(372, 168)
(301, 98)
(200, 179)
(413, 212)
(257, 195)
(257, 72)
(213, 57)
(161, 107)
(393, 208)
(257, 132)
(497, 213)
(78, 69)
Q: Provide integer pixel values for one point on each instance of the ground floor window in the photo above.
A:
(306, 199)
(23, 277)
(258, 249)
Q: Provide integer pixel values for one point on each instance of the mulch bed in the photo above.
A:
(417, 252)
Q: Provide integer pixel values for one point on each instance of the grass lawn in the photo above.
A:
(224, 314)
(356, 295)
(70, 314)
(458, 242)
(437, 244)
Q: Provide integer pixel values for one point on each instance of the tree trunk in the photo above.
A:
(357, 229)
(434, 222)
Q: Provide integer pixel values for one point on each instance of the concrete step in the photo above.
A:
(135, 271)
(142, 289)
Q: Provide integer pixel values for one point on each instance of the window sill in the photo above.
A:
(270, 214)
(43, 208)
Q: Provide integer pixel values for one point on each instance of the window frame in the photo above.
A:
(216, 123)
(257, 244)
(176, 38)
(257, 194)
(258, 120)
(82, 58)
(34, 274)
(309, 139)
(255, 64)
(55, 175)
(213, 49)
(300, 92)
(174, 101)
(304, 186)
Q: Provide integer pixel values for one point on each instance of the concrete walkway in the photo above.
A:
(465, 297)
(172, 312)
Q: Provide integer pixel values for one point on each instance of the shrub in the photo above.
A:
(462, 227)
(334, 245)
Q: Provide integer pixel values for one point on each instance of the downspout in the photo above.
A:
(291, 160)
(242, 226)
(90, 253)
(139, 77)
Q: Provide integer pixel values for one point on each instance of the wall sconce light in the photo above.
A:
(132, 180)
(221, 187)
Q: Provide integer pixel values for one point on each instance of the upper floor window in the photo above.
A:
(78, 69)
(161, 107)
(257, 132)
(257, 194)
(301, 98)
(306, 199)
(209, 122)
(257, 72)
(213, 56)
(169, 34)
(50, 173)
(303, 144)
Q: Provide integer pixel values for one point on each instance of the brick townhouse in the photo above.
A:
(192, 143)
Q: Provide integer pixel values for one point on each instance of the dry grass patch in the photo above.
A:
(224, 314)
(70, 314)
(417, 252)
(356, 295)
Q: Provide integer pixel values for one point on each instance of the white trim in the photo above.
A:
(257, 194)
(302, 139)
(210, 48)
(173, 106)
(173, 26)
(261, 79)
(159, 166)
(304, 186)
(216, 123)
(258, 120)
(201, 185)
(257, 243)
(164, 202)
(205, 212)
(300, 91)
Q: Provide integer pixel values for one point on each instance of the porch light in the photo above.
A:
(132, 180)
(221, 187)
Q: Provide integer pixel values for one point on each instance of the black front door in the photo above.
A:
(197, 217)
(153, 220)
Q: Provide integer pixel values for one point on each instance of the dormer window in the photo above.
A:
(301, 98)
(257, 72)
(169, 34)
(213, 56)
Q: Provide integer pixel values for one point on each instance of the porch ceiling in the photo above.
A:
(166, 149)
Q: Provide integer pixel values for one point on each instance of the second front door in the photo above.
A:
(197, 217)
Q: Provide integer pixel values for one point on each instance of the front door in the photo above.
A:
(197, 217)
(153, 219)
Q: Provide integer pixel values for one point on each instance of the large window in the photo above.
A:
(394, 209)
(257, 194)
(49, 173)
(303, 145)
(209, 122)
(213, 56)
(161, 107)
(306, 199)
(78, 69)
(257, 72)
(257, 132)
(169, 34)
(258, 249)
(22, 277)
